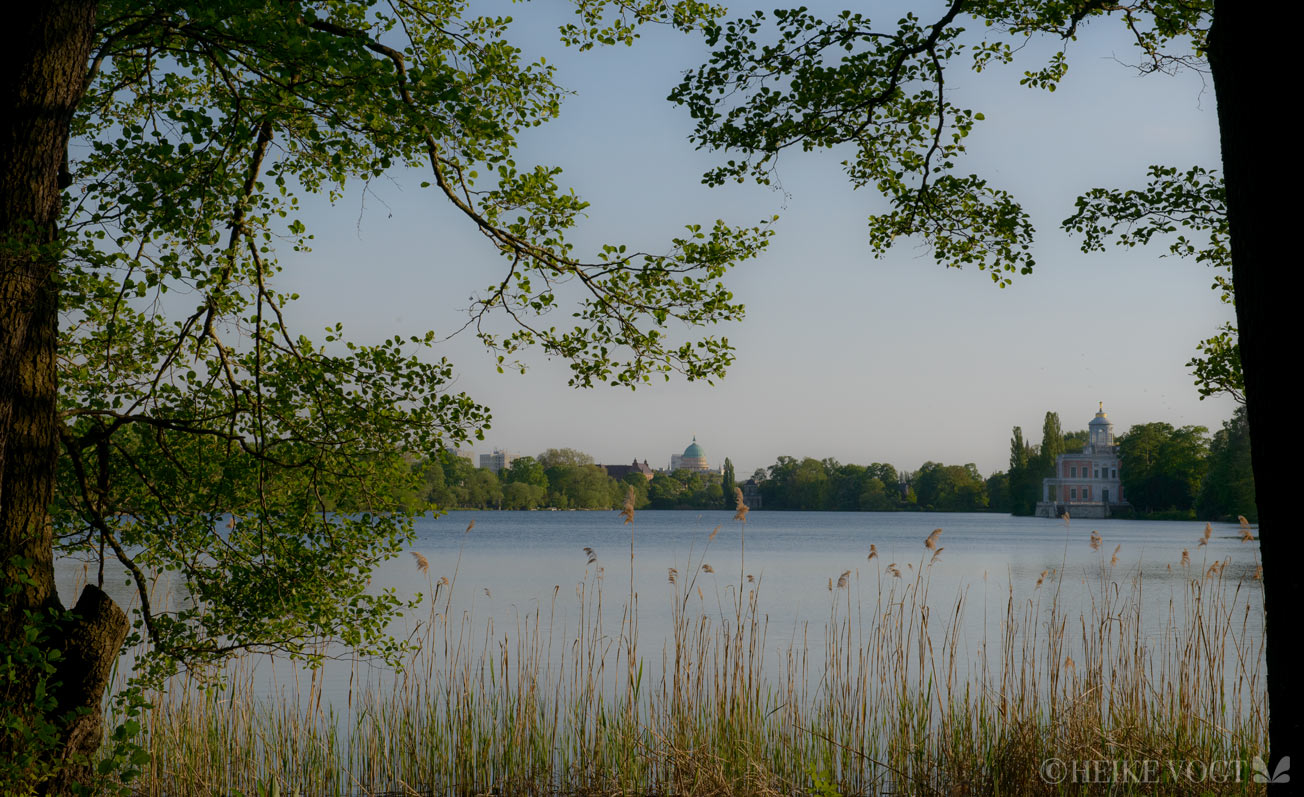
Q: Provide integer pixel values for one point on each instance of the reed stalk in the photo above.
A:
(891, 695)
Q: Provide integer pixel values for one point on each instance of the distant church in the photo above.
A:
(693, 458)
(1086, 484)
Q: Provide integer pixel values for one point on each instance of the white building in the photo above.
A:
(498, 460)
(1086, 483)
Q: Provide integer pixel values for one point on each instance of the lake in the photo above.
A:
(776, 649)
(511, 564)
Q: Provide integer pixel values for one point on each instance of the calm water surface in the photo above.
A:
(514, 564)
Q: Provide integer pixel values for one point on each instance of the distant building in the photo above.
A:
(619, 472)
(693, 458)
(1086, 483)
(498, 460)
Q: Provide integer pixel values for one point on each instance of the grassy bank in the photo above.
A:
(891, 694)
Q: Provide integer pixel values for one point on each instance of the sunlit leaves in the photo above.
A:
(620, 332)
(1168, 36)
(1172, 205)
(1187, 210)
(263, 473)
(1217, 367)
(791, 81)
(601, 22)
(804, 83)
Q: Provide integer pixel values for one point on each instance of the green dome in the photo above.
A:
(694, 451)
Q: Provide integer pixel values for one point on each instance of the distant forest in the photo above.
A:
(1167, 472)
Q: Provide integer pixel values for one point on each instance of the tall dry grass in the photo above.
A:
(891, 695)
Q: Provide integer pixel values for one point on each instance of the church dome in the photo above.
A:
(694, 451)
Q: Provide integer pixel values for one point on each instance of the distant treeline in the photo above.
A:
(813, 484)
(559, 478)
(569, 479)
(1166, 471)
(562, 478)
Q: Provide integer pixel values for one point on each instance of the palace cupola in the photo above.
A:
(1100, 432)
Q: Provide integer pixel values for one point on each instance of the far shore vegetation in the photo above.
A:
(1169, 474)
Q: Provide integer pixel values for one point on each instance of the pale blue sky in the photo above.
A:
(841, 355)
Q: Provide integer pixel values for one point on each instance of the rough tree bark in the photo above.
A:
(45, 51)
(1247, 56)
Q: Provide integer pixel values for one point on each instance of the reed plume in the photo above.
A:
(931, 542)
(512, 715)
(740, 509)
(627, 511)
(423, 564)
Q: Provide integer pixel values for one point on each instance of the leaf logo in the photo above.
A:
(1282, 775)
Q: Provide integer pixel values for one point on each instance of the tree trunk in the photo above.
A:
(1247, 55)
(44, 54)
